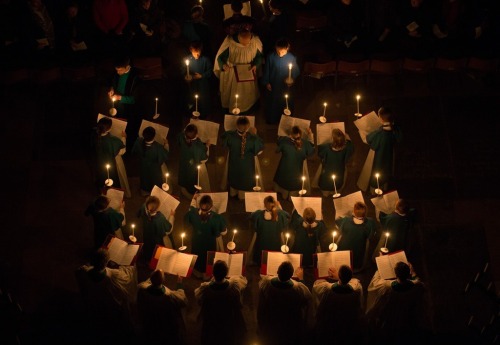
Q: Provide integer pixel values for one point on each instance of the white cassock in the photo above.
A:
(239, 54)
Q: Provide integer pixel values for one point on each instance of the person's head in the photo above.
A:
(236, 6)
(148, 134)
(416, 3)
(338, 139)
(100, 259)
(36, 4)
(402, 207)
(276, 6)
(346, 2)
(282, 45)
(206, 203)
(122, 65)
(244, 37)
(220, 270)
(242, 124)
(146, 4)
(191, 132)
(359, 210)
(269, 202)
(309, 215)
(196, 48)
(296, 133)
(345, 274)
(270, 210)
(72, 9)
(104, 125)
(101, 202)
(285, 271)
(197, 12)
(385, 115)
(402, 271)
(152, 205)
(157, 278)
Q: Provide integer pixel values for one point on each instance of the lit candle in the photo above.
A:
(289, 71)
(187, 69)
(286, 100)
(198, 167)
(113, 99)
(133, 228)
(166, 178)
(303, 180)
(333, 235)
(196, 100)
(182, 239)
(376, 176)
(236, 103)
(287, 237)
(256, 180)
(156, 105)
(234, 233)
(357, 101)
(386, 237)
(324, 109)
(107, 168)
(334, 185)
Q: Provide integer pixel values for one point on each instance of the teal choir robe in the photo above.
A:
(191, 155)
(333, 163)
(106, 148)
(268, 232)
(355, 237)
(151, 158)
(201, 87)
(154, 229)
(289, 173)
(383, 142)
(306, 238)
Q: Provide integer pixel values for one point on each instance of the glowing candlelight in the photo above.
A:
(287, 235)
(357, 101)
(166, 178)
(377, 176)
(286, 100)
(303, 180)
(187, 68)
(156, 105)
(107, 168)
(386, 237)
(236, 102)
(333, 235)
(256, 180)
(324, 109)
(133, 229)
(113, 99)
(198, 167)
(234, 233)
(196, 100)
(334, 185)
(182, 239)
(289, 71)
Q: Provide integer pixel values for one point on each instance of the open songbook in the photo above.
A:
(287, 122)
(161, 131)
(344, 206)
(118, 125)
(230, 121)
(324, 131)
(254, 201)
(207, 130)
(173, 262)
(244, 73)
(167, 202)
(120, 251)
(235, 262)
(300, 203)
(367, 124)
(386, 264)
(323, 261)
(272, 260)
(219, 199)
(385, 203)
(115, 196)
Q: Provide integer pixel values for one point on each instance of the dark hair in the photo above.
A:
(236, 6)
(338, 139)
(282, 43)
(100, 259)
(197, 8)
(196, 45)
(191, 131)
(101, 202)
(242, 121)
(402, 206)
(385, 114)
(359, 209)
(157, 277)
(103, 125)
(345, 274)
(206, 200)
(402, 271)
(220, 270)
(296, 130)
(148, 133)
(122, 61)
(285, 271)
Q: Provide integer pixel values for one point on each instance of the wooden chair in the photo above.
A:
(318, 71)
(310, 23)
(149, 68)
(351, 69)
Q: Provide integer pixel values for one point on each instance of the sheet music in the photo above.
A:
(246, 10)
(287, 122)
(244, 72)
(235, 264)
(118, 126)
(255, 200)
(345, 205)
(79, 46)
(332, 259)
(166, 260)
(274, 260)
(230, 122)
(386, 264)
(301, 202)
(167, 201)
(207, 130)
(386, 203)
(222, 256)
(161, 131)
(116, 198)
(324, 131)
(182, 264)
(367, 124)
(219, 199)
(116, 248)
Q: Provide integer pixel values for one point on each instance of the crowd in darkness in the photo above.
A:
(41, 33)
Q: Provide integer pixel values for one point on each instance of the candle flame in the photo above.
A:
(333, 177)
(166, 174)
(133, 226)
(196, 96)
(303, 178)
(334, 233)
(257, 176)
(236, 96)
(183, 234)
(108, 166)
(287, 235)
(387, 234)
(358, 97)
(156, 99)
(187, 62)
(324, 104)
(235, 231)
(198, 167)
(286, 96)
(289, 66)
(377, 175)
(113, 98)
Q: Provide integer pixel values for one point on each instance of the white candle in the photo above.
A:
(286, 100)
(236, 102)
(133, 228)
(334, 185)
(376, 176)
(289, 71)
(196, 100)
(386, 237)
(182, 239)
(256, 180)
(324, 109)
(113, 99)
(333, 235)
(234, 233)
(107, 168)
(187, 68)
(287, 237)
(156, 105)
(357, 101)
(198, 167)
(303, 180)
(166, 178)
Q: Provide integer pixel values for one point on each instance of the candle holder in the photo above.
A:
(113, 111)
(287, 112)
(336, 195)
(285, 249)
(155, 116)
(197, 187)
(333, 247)
(384, 250)
(379, 191)
(236, 111)
(322, 119)
(182, 247)
(196, 114)
(108, 182)
(132, 238)
(302, 192)
(231, 245)
(165, 187)
(289, 81)
(256, 189)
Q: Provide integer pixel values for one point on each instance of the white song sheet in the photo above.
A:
(173, 262)
(121, 252)
(207, 130)
(345, 205)
(332, 259)
(115, 196)
(287, 122)
(274, 260)
(324, 131)
(385, 203)
(118, 126)
(167, 202)
(230, 122)
(300, 203)
(244, 72)
(161, 131)
(233, 261)
(255, 200)
(367, 124)
(386, 264)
